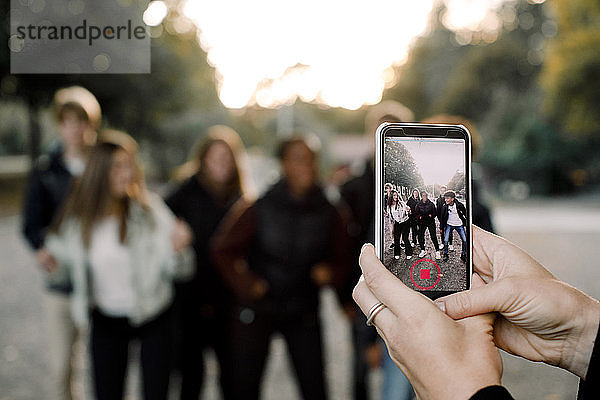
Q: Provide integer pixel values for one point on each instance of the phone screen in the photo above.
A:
(425, 210)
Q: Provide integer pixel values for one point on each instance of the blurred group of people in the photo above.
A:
(208, 266)
(417, 215)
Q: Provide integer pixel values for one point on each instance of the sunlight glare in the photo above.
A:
(334, 52)
(155, 13)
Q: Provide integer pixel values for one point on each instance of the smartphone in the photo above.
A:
(423, 205)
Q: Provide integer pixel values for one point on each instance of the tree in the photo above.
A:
(571, 73)
(148, 106)
(400, 167)
(457, 182)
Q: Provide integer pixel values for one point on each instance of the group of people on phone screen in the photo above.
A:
(416, 216)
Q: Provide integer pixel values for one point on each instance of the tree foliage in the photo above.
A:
(571, 73)
(400, 167)
(497, 86)
(457, 182)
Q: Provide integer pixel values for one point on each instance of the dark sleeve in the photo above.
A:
(37, 213)
(590, 387)
(341, 254)
(481, 217)
(230, 247)
(173, 201)
(492, 393)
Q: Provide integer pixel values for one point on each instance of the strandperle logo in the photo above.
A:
(78, 37)
(84, 31)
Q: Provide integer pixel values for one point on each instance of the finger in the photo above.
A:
(484, 245)
(402, 301)
(481, 323)
(476, 281)
(365, 299)
(479, 300)
(495, 257)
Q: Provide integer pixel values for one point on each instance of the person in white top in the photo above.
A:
(453, 216)
(399, 214)
(122, 248)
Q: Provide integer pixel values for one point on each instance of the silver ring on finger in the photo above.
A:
(376, 309)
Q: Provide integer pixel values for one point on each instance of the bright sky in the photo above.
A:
(334, 52)
(437, 160)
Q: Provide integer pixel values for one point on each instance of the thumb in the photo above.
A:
(479, 300)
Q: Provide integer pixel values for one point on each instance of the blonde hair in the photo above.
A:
(215, 134)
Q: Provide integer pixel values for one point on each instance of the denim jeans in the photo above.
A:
(461, 233)
(395, 384)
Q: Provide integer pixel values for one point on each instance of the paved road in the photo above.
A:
(564, 236)
(451, 272)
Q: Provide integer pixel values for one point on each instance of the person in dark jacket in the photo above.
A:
(275, 254)
(78, 115)
(426, 212)
(412, 202)
(454, 217)
(201, 304)
(439, 204)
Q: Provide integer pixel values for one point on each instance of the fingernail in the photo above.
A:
(364, 246)
(441, 305)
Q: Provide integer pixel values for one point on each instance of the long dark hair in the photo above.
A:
(90, 198)
(390, 199)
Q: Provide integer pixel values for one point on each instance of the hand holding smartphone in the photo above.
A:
(423, 205)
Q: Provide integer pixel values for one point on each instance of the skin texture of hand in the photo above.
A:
(442, 358)
(46, 260)
(541, 318)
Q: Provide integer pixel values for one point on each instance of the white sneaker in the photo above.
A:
(408, 257)
(451, 248)
(422, 253)
(397, 257)
(438, 256)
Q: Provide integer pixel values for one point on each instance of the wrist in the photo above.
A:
(578, 351)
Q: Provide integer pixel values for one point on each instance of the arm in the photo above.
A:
(35, 211)
(37, 215)
(335, 270)
(229, 250)
(174, 200)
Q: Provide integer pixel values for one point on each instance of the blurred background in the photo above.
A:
(525, 72)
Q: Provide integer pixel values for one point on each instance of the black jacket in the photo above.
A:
(282, 239)
(412, 203)
(439, 203)
(48, 186)
(358, 195)
(193, 203)
(460, 208)
(425, 213)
